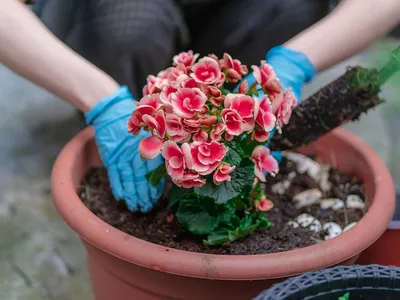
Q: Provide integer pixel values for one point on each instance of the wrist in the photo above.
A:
(105, 104)
(294, 61)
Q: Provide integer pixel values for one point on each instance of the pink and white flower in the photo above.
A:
(244, 106)
(150, 147)
(208, 120)
(157, 123)
(222, 174)
(166, 99)
(172, 74)
(176, 159)
(206, 71)
(150, 87)
(264, 161)
(260, 135)
(282, 107)
(263, 113)
(185, 58)
(186, 102)
(233, 121)
(264, 205)
(216, 133)
(206, 156)
(184, 81)
(190, 179)
(200, 136)
(263, 73)
(175, 129)
(148, 105)
(243, 87)
(233, 67)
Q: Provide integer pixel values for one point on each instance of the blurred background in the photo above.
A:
(40, 258)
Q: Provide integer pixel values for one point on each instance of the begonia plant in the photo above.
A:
(213, 141)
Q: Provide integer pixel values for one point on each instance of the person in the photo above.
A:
(144, 42)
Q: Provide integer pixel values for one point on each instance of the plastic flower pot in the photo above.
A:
(123, 267)
(385, 251)
(370, 282)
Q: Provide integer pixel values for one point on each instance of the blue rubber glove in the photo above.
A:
(293, 69)
(118, 151)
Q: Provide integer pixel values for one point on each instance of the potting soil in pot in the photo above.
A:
(312, 203)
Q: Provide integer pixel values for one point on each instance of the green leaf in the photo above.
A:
(241, 183)
(248, 224)
(155, 176)
(199, 215)
(248, 146)
(176, 194)
(235, 153)
(345, 296)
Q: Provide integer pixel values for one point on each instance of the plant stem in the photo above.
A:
(391, 67)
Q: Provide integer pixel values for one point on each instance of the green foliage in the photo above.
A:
(155, 176)
(235, 229)
(241, 183)
(247, 146)
(235, 153)
(201, 215)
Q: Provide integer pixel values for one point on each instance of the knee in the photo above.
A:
(138, 24)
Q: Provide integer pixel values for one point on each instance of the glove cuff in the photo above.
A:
(296, 58)
(121, 94)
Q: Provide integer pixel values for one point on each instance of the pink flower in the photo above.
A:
(150, 100)
(166, 99)
(244, 106)
(156, 123)
(263, 113)
(176, 159)
(206, 71)
(189, 180)
(217, 101)
(172, 74)
(191, 125)
(222, 174)
(150, 147)
(263, 161)
(234, 68)
(263, 73)
(260, 135)
(184, 81)
(148, 105)
(200, 136)
(272, 85)
(217, 132)
(150, 87)
(228, 137)
(232, 121)
(243, 87)
(264, 205)
(175, 129)
(187, 102)
(208, 120)
(185, 58)
(282, 107)
(207, 156)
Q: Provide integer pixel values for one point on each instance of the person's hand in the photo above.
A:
(293, 70)
(118, 151)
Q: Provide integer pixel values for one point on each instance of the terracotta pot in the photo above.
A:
(385, 251)
(123, 267)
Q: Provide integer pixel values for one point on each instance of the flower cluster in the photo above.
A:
(191, 117)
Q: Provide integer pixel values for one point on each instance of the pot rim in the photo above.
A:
(222, 267)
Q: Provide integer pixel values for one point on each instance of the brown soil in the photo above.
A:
(160, 226)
